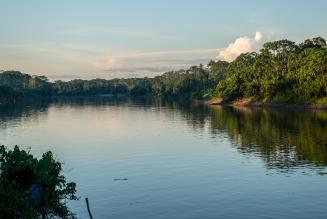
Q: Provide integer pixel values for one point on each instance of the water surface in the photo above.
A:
(180, 160)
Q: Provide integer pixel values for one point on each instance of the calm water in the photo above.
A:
(181, 161)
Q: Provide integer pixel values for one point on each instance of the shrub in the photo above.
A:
(20, 174)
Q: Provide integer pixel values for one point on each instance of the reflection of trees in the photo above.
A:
(196, 116)
(284, 139)
(27, 110)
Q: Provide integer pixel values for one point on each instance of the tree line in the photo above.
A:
(191, 83)
(282, 71)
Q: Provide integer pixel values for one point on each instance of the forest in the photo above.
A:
(280, 72)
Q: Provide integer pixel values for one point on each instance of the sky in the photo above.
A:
(66, 39)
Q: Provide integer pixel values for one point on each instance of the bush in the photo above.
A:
(20, 174)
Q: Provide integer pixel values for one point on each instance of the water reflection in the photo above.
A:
(15, 113)
(284, 139)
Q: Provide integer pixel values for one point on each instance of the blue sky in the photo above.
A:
(65, 39)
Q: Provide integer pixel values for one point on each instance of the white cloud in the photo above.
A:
(241, 45)
(258, 36)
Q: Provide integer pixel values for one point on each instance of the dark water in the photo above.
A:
(180, 160)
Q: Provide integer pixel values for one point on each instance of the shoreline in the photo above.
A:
(258, 104)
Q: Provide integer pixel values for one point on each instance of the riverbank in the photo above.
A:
(247, 102)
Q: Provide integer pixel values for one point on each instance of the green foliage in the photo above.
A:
(194, 83)
(208, 94)
(321, 101)
(281, 72)
(15, 84)
(19, 170)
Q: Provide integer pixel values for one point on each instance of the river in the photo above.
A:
(150, 158)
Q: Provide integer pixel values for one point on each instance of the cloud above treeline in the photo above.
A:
(151, 64)
(240, 45)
